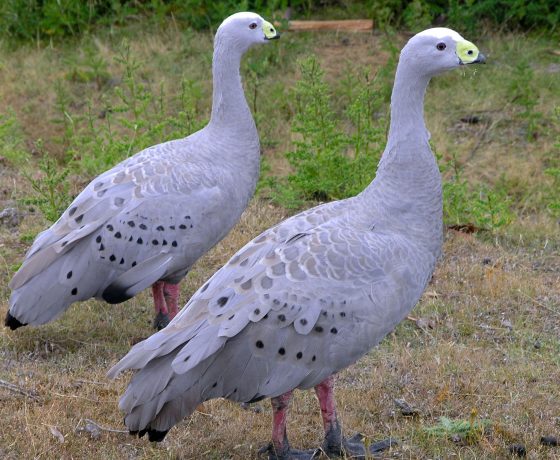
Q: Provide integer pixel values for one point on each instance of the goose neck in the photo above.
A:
(405, 195)
(229, 106)
(407, 106)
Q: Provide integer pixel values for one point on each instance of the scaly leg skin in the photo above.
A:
(171, 295)
(162, 315)
(335, 445)
(279, 448)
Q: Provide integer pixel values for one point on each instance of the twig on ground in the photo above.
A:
(540, 304)
(90, 381)
(16, 389)
(102, 428)
(97, 401)
(94, 428)
(480, 395)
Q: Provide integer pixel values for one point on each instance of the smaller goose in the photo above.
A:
(146, 221)
(310, 296)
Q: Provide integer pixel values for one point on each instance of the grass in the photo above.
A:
(491, 346)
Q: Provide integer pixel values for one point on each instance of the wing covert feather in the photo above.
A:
(303, 293)
(122, 191)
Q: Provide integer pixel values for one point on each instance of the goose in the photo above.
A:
(313, 294)
(147, 220)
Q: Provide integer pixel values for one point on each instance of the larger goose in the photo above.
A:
(313, 294)
(147, 220)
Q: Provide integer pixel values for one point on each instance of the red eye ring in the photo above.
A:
(253, 25)
(441, 46)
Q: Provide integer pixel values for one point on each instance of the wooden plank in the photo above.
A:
(351, 25)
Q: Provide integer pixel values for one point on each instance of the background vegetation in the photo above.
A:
(40, 20)
(85, 84)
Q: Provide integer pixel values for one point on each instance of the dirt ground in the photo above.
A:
(482, 346)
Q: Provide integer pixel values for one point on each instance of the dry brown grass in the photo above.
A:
(489, 344)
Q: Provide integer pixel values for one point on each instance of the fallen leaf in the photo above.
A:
(406, 409)
(442, 394)
(424, 323)
(507, 324)
(464, 228)
(57, 434)
(201, 408)
(92, 429)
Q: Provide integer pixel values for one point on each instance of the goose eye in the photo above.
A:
(253, 25)
(441, 46)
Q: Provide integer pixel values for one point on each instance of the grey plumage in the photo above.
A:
(311, 295)
(153, 215)
(284, 313)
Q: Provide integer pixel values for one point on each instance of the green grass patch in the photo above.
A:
(469, 431)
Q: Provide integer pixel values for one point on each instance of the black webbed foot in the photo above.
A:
(160, 321)
(288, 453)
(335, 445)
(253, 407)
(355, 447)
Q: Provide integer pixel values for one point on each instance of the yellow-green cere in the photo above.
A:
(467, 51)
(269, 30)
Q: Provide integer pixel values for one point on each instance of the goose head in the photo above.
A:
(438, 50)
(243, 30)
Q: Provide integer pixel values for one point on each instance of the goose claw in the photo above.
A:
(160, 321)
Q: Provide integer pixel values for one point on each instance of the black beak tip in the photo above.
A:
(481, 59)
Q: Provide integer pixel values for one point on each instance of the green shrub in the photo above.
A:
(480, 206)
(330, 162)
(40, 20)
(50, 187)
(467, 15)
(553, 195)
(131, 116)
(552, 189)
(48, 180)
(11, 140)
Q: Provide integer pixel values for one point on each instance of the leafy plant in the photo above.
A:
(524, 93)
(552, 189)
(554, 193)
(467, 15)
(129, 117)
(11, 140)
(46, 20)
(480, 206)
(50, 188)
(91, 68)
(416, 16)
(330, 162)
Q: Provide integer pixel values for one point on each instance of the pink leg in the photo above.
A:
(280, 448)
(171, 294)
(335, 445)
(162, 314)
(159, 299)
(280, 406)
(325, 394)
